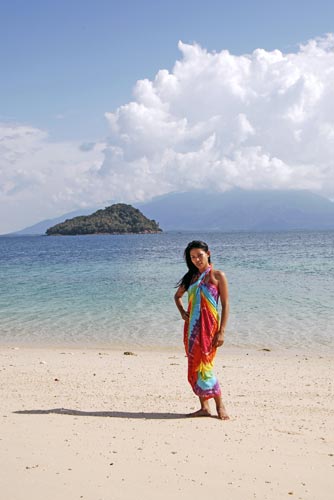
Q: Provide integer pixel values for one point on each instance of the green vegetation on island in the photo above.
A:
(116, 219)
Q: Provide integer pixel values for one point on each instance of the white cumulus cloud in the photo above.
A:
(260, 120)
(215, 121)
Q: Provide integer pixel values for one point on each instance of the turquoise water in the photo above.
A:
(118, 290)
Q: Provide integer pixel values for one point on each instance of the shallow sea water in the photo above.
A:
(118, 290)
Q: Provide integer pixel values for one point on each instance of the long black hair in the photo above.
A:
(187, 278)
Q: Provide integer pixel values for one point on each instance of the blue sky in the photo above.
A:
(65, 63)
(100, 102)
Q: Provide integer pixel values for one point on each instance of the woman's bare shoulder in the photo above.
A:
(218, 275)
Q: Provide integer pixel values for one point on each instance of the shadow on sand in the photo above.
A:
(115, 414)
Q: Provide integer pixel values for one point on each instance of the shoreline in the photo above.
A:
(312, 350)
(92, 422)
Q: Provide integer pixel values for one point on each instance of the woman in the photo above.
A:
(203, 332)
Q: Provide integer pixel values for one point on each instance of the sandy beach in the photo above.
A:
(97, 424)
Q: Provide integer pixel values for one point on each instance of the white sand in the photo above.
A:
(99, 425)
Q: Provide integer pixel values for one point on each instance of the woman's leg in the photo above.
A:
(221, 410)
(204, 411)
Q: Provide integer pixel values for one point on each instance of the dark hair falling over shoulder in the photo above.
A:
(187, 278)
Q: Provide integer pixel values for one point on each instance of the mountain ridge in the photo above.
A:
(235, 210)
(240, 210)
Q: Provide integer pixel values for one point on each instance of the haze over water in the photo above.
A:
(118, 290)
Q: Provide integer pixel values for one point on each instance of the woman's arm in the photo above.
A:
(223, 294)
(179, 304)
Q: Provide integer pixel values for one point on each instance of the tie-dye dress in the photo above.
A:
(199, 331)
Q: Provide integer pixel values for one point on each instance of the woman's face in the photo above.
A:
(200, 258)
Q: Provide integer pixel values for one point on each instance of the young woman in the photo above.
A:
(203, 331)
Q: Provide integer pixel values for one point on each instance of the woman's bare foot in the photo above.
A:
(203, 412)
(222, 414)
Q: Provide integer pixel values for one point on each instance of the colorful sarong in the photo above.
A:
(199, 331)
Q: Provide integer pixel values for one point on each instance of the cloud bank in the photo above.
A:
(263, 120)
(41, 179)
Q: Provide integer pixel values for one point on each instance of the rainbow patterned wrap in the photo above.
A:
(199, 331)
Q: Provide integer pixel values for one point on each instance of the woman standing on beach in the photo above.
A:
(203, 332)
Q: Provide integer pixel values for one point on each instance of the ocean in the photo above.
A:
(117, 290)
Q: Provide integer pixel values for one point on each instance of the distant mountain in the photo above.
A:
(239, 210)
(116, 219)
(235, 210)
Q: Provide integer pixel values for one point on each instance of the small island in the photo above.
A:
(116, 219)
